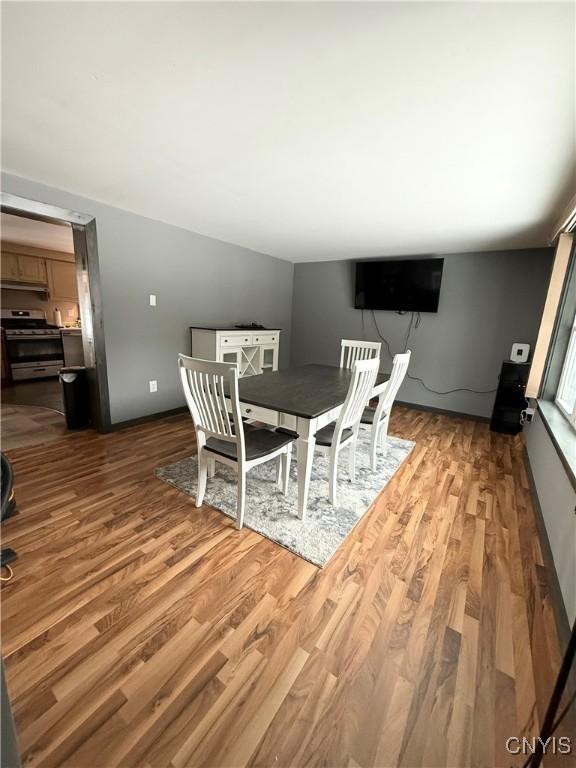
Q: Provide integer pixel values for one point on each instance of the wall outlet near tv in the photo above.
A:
(520, 353)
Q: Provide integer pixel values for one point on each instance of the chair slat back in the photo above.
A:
(351, 351)
(364, 374)
(399, 371)
(204, 383)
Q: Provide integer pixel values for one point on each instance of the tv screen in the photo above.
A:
(411, 285)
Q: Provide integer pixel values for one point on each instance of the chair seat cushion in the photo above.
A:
(368, 416)
(324, 436)
(258, 443)
(285, 431)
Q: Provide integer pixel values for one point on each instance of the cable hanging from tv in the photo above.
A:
(411, 326)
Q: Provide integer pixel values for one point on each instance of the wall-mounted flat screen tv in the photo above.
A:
(400, 285)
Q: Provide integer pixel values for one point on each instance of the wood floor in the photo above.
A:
(46, 393)
(24, 425)
(140, 631)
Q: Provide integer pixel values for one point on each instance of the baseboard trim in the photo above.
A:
(118, 425)
(443, 412)
(563, 628)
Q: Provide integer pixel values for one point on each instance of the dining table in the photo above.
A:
(303, 399)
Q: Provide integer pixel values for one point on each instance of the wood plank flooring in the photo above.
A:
(24, 425)
(44, 393)
(140, 631)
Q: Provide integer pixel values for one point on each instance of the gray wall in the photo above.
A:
(487, 301)
(557, 499)
(197, 280)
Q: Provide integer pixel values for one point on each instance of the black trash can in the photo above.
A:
(74, 381)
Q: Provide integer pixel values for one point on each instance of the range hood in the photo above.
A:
(37, 287)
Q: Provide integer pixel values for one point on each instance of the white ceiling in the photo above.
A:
(307, 131)
(40, 234)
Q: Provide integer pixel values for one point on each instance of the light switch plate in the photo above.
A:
(153, 385)
(152, 299)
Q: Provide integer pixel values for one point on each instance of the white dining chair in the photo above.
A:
(343, 432)
(379, 417)
(351, 350)
(206, 386)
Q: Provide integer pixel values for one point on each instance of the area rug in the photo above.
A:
(273, 515)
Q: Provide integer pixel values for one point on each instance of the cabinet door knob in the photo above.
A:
(248, 410)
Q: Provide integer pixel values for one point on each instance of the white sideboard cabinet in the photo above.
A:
(254, 350)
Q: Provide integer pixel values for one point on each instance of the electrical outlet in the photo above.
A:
(152, 299)
(153, 385)
(526, 416)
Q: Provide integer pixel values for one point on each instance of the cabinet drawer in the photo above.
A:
(265, 338)
(235, 340)
(259, 414)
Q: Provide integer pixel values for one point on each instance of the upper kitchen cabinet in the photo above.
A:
(54, 269)
(31, 269)
(62, 280)
(23, 269)
(9, 266)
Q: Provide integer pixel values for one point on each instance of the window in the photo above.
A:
(566, 394)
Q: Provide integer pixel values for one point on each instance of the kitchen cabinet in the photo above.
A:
(58, 274)
(31, 269)
(23, 269)
(62, 280)
(9, 266)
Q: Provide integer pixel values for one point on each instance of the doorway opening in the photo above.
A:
(51, 319)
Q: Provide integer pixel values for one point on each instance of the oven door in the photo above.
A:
(27, 353)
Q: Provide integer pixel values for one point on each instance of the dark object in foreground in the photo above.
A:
(8, 509)
(7, 494)
(7, 556)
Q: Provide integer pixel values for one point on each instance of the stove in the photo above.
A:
(22, 321)
(34, 346)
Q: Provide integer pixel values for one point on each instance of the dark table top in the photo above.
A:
(307, 390)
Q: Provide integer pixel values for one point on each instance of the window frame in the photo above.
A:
(569, 363)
